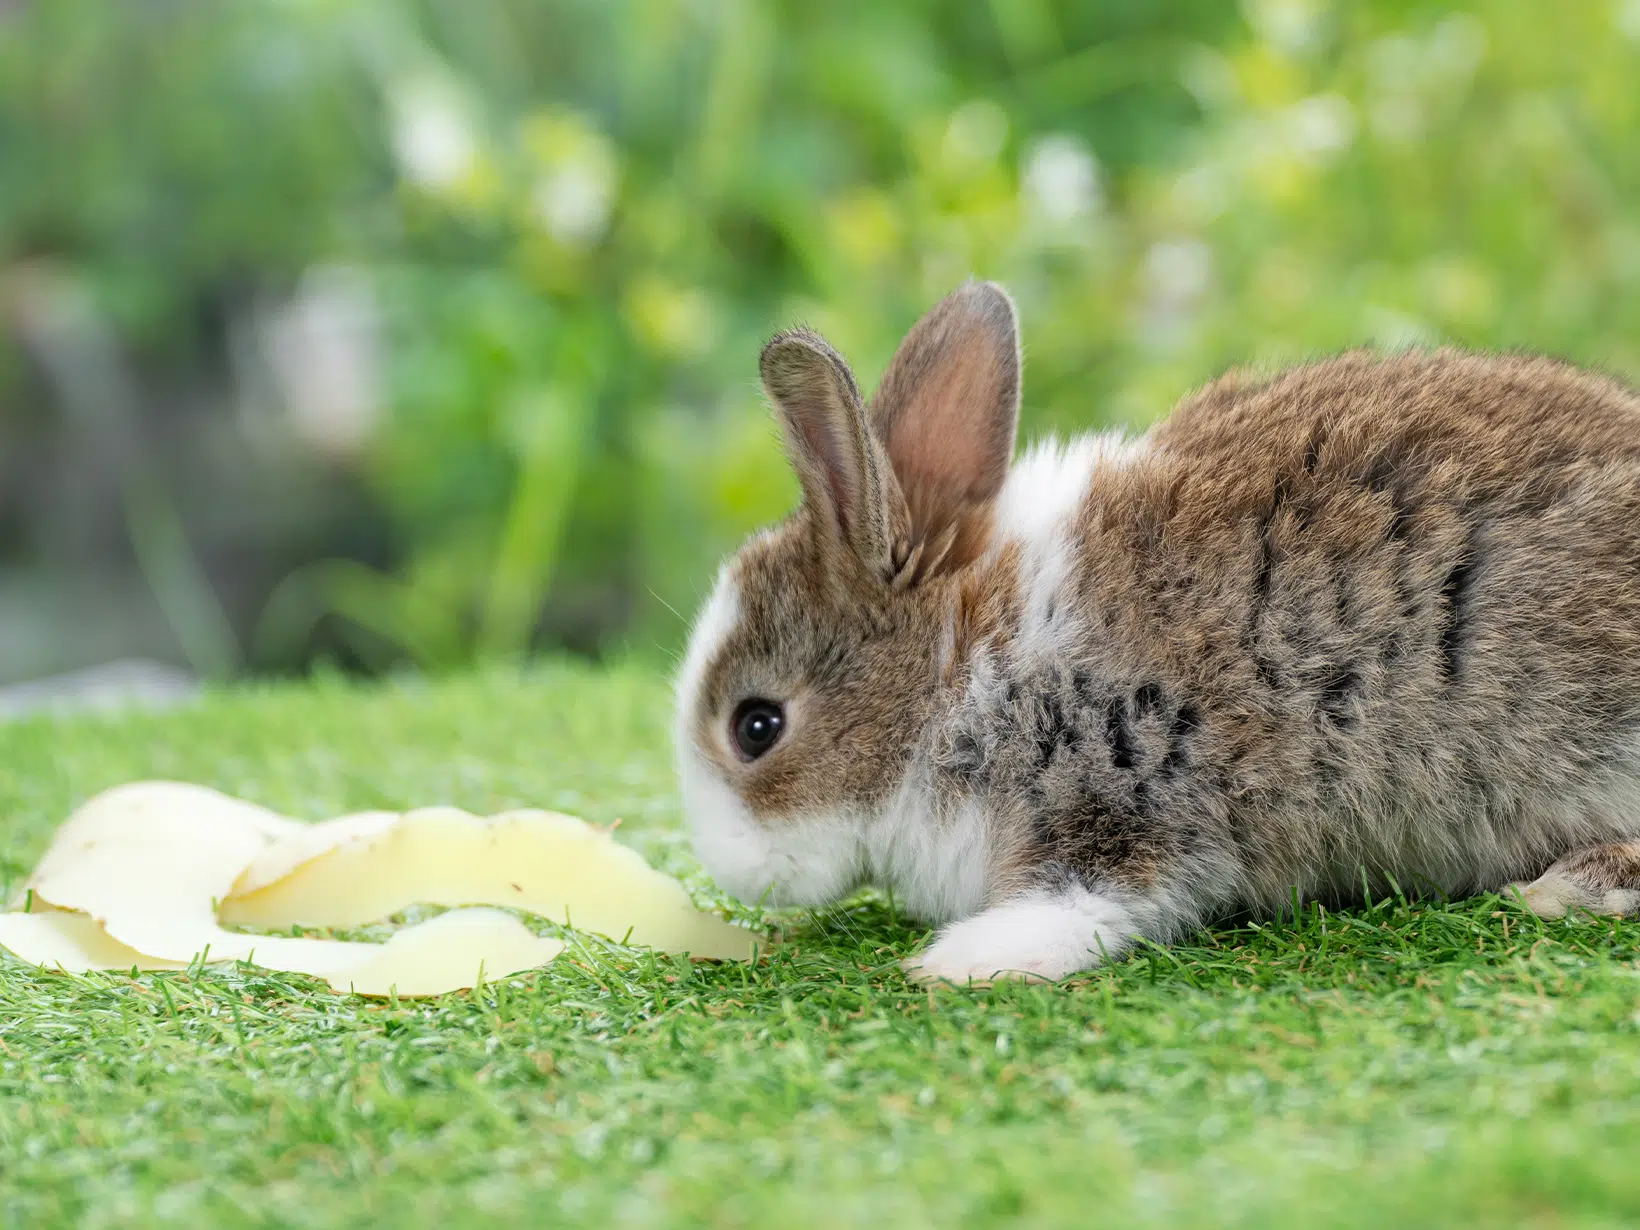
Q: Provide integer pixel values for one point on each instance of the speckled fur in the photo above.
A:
(1372, 619)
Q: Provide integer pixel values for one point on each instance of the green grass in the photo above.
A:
(1455, 1065)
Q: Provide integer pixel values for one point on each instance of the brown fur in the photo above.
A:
(820, 630)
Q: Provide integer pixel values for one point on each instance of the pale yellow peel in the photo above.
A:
(548, 864)
(149, 862)
(71, 942)
(280, 858)
(152, 819)
(133, 880)
(448, 953)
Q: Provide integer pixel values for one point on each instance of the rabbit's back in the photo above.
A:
(1370, 611)
(1470, 525)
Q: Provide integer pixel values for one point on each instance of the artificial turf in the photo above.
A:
(1460, 1064)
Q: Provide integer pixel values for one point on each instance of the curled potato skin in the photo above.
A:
(153, 874)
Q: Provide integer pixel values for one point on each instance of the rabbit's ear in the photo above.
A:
(846, 480)
(947, 413)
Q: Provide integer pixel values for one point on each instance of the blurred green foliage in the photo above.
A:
(557, 231)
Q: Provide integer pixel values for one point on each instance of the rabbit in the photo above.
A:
(1371, 622)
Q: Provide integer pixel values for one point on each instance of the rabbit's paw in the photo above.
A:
(1597, 880)
(1042, 938)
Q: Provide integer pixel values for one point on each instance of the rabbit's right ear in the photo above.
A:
(846, 478)
(947, 412)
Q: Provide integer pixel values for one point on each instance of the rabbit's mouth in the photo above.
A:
(937, 861)
(800, 861)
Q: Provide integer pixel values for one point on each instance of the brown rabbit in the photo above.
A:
(1371, 619)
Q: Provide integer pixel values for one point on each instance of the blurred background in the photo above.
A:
(412, 333)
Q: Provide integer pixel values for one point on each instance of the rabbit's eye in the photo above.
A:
(757, 726)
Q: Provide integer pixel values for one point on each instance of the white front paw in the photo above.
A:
(1039, 940)
(963, 960)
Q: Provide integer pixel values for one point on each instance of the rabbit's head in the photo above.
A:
(814, 666)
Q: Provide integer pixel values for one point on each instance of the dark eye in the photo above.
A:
(757, 727)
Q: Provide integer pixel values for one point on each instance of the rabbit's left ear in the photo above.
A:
(847, 482)
(947, 413)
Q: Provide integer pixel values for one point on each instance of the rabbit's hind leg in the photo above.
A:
(1597, 880)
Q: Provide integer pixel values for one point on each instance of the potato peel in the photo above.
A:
(447, 953)
(74, 943)
(279, 858)
(149, 862)
(546, 863)
(135, 879)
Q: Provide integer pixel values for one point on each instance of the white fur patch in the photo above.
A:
(1048, 935)
(1045, 620)
(716, 620)
(937, 863)
(1041, 497)
(1048, 483)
